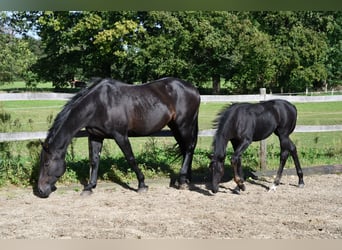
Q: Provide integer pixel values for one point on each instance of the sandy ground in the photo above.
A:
(117, 212)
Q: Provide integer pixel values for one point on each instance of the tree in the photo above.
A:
(300, 49)
(333, 27)
(83, 44)
(16, 58)
(281, 50)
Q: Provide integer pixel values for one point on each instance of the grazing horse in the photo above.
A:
(112, 109)
(243, 123)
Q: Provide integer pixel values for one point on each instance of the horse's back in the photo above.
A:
(183, 94)
(180, 87)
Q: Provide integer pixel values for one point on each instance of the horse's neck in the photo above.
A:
(220, 146)
(67, 131)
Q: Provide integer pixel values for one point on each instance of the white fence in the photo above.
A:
(204, 98)
(20, 136)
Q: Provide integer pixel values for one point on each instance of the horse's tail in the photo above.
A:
(181, 147)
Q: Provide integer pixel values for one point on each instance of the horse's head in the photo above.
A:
(217, 170)
(52, 166)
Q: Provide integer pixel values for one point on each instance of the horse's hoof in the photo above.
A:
(142, 189)
(183, 186)
(86, 192)
(301, 185)
(236, 190)
(242, 187)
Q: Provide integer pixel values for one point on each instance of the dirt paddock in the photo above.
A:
(116, 212)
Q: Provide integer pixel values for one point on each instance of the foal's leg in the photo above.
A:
(294, 155)
(125, 146)
(286, 147)
(239, 148)
(95, 146)
(284, 154)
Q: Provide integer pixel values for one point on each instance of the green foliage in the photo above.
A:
(15, 167)
(15, 59)
(279, 50)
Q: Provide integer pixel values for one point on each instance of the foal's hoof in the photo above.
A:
(86, 192)
(301, 185)
(273, 188)
(236, 190)
(142, 189)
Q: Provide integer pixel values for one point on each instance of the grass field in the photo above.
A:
(152, 153)
(38, 115)
(21, 86)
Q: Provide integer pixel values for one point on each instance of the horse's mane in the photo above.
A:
(221, 113)
(63, 115)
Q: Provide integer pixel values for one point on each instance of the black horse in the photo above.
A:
(112, 109)
(244, 123)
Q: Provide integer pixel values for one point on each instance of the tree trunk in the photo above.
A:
(216, 84)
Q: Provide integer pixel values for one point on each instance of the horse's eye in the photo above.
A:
(46, 164)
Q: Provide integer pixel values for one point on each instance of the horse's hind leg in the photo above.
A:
(294, 155)
(287, 146)
(186, 137)
(95, 146)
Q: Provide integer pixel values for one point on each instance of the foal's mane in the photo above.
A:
(220, 114)
(63, 115)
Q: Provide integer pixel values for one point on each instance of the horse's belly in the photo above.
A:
(147, 127)
(262, 131)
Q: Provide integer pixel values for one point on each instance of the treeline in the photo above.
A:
(235, 52)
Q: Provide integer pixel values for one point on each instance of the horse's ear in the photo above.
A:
(45, 146)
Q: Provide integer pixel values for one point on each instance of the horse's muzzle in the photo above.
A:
(214, 189)
(45, 191)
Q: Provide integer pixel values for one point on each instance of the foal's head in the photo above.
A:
(52, 166)
(217, 170)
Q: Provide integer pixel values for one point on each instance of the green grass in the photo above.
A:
(322, 113)
(31, 115)
(20, 86)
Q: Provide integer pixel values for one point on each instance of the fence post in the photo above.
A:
(263, 151)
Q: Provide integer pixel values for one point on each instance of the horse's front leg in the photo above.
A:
(238, 175)
(126, 148)
(95, 146)
(239, 148)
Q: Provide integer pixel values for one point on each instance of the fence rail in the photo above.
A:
(204, 98)
(23, 136)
